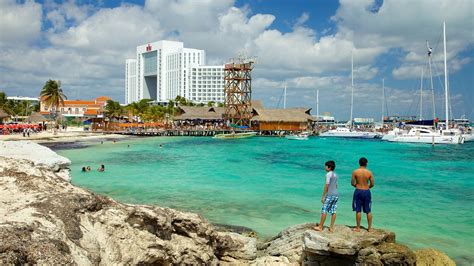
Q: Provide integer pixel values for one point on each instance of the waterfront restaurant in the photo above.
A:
(291, 119)
(203, 114)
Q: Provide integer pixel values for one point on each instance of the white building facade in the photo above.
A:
(165, 69)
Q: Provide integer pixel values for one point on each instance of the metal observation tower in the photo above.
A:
(238, 91)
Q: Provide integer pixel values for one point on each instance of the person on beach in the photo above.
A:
(330, 197)
(363, 181)
(101, 168)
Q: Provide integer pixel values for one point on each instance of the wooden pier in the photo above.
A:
(177, 132)
(195, 132)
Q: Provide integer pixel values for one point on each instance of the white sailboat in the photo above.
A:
(344, 132)
(420, 134)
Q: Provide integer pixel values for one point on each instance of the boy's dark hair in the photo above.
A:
(331, 165)
(363, 161)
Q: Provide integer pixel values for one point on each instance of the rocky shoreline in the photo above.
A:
(44, 219)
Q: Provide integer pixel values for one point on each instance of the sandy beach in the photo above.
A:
(72, 134)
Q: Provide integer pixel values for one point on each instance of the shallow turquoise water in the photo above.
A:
(424, 194)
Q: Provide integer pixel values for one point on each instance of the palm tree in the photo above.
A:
(155, 113)
(53, 95)
(4, 103)
(113, 109)
(139, 108)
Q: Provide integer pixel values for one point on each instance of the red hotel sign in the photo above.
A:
(148, 48)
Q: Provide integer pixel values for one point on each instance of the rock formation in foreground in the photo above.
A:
(46, 220)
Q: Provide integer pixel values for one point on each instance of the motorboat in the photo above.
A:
(234, 135)
(300, 136)
(344, 132)
(393, 133)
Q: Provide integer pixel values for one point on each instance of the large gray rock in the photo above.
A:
(288, 243)
(432, 257)
(301, 244)
(40, 155)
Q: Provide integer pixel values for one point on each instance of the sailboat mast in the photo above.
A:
(383, 98)
(284, 99)
(445, 77)
(421, 95)
(352, 85)
(317, 107)
(431, 81)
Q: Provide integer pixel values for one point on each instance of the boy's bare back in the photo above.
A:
(361, 178)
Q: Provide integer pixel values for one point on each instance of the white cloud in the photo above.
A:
(66, 13)
(20, 24)
(407, 24)
(302, 20)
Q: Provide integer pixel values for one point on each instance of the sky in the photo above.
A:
(305, 45)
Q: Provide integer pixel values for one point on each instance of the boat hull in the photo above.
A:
(357, 135)
(429, 139)
(468, 137)
(236, 135)
(293, 137)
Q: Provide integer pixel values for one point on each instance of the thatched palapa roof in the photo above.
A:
(298, 115)
(37, 117)
(203, 113)
(3, 114)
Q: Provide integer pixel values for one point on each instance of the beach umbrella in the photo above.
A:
(37, 117)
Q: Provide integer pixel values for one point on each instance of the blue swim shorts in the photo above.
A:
(362, 200)
(330, 204)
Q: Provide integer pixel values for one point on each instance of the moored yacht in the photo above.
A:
(393, 133)
(424, 134)
(421, 134)
(344, 132)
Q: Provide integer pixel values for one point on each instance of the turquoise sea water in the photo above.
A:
(424, 194)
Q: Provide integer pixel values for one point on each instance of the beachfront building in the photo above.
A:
(324, 119)
(364, 121)
(165, 69)
(79, 108)
(32, 100)
(290, 119)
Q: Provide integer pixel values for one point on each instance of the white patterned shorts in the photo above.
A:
(330, 204)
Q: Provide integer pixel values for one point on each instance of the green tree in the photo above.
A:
(52, 94)
(220, 105)
(211, 103)
(24, 108)
(154, 113)
(113, 109)
(139, 108)
(4, 103)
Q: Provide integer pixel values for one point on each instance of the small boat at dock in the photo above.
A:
(233, 135)
(300, 136)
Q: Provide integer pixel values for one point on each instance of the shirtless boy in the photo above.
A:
(362, 199)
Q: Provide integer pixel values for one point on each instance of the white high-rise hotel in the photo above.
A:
(165, 69)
